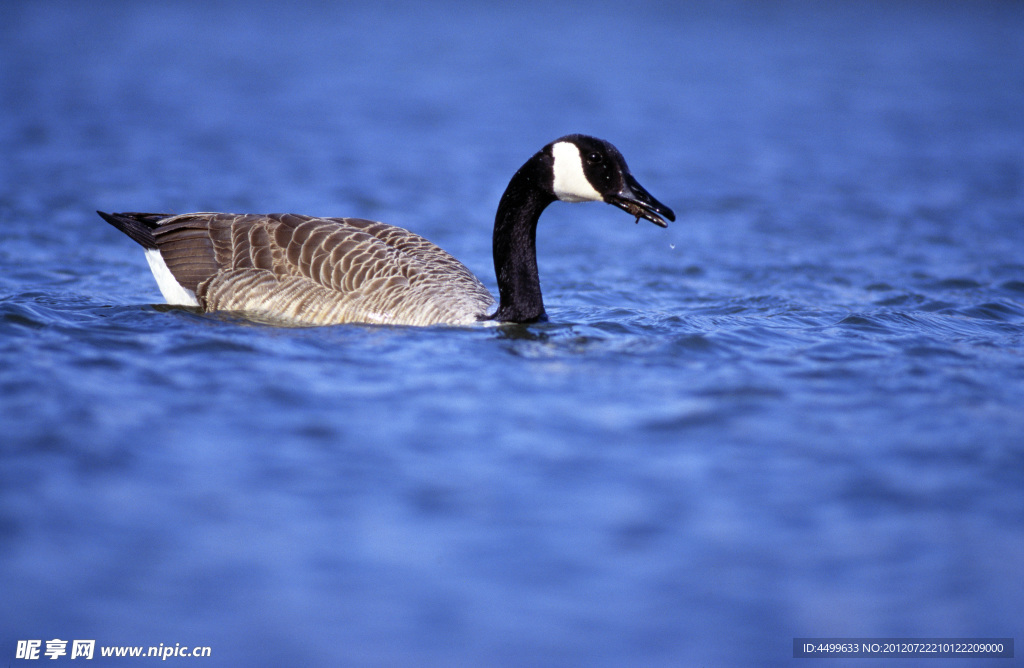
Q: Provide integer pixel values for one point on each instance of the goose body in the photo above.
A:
(304, 270)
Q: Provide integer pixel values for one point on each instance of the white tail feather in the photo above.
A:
(173, 291)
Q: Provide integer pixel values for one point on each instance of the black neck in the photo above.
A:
(515, 242)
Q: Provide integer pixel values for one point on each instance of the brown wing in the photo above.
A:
(306, 270)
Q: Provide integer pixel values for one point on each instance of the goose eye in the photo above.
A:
(594, 158)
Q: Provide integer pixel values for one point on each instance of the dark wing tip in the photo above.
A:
(138, 226)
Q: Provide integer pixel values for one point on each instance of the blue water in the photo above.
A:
(799, 411)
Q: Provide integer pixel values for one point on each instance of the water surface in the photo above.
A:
(796, 412)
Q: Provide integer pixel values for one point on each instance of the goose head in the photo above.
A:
(588, 169)
(575, 168)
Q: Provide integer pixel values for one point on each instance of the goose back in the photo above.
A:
(315, 271)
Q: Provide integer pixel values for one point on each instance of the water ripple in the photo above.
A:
(798, 407)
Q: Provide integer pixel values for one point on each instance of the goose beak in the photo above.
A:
(636, 201)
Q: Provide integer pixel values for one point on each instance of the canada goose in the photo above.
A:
(303, 270)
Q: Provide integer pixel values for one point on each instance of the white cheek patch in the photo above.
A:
(571, 184)
(172, 290)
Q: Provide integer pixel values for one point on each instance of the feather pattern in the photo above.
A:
(303, 270)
